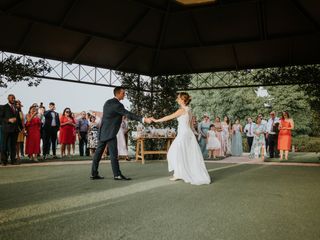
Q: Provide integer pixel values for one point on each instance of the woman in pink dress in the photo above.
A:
(284, 140)
(218, 126)
(33, 127)
(66, 136)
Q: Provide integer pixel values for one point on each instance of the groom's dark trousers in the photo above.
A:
(113, 151)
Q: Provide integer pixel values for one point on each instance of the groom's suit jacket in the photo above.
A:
(111, 120)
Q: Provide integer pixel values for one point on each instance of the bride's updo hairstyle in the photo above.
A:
(186, 98)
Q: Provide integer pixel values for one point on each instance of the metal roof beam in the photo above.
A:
(124, 59)
(14, 5)
(67, 13)
(135, 23)
(306, 14)
(161, 37)
(81, 49)
(261, 20)
(25, 37)
(236, 60)
(195, 29)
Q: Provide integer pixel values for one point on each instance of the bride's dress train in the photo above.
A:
(185, 157)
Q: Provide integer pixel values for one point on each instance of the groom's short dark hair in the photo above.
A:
(116, 90)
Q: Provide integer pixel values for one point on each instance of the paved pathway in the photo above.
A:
(245, 160)
(236, 160)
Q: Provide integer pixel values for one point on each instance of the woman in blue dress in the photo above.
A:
(236, 142)
(258, 148)
(203, 129)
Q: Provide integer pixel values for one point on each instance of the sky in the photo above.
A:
(79, 97)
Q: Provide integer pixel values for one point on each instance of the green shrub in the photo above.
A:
(306, 144)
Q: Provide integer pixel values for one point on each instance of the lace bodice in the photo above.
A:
(184, 121)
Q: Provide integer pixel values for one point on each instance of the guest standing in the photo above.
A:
(93, 134)
(33, 126)
(194, 126)
(50, 128)
(213, 144)
(272, 135)
(74, 134)
(82, 129)
(21, 135)
(218, 127)
(11, 126)
(284, 142)
(121, 139)
(248, 129)
(259, 142)
(203, 129)
(66, 136)
(236, 142)
(226, 136)
(264, 122)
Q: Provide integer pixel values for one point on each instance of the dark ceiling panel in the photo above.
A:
(205, 58)
(290, 21)
(105, 53)
(52, 42)
(228, 23)
(139, 58)
(12, 32)
(48, 11)
(154, 37)
(180, 31)
(306, 49)
(112, 18)
(259, 52)
(142, 28)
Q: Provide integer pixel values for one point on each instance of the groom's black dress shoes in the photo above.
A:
(96, 177)
(121, 177)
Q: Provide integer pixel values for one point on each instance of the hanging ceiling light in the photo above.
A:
(195, 2)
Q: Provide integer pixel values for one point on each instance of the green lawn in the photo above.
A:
(300, 157)
(243, 202)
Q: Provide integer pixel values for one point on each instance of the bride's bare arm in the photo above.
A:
(178, 113)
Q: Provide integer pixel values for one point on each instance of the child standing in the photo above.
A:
(213, 144)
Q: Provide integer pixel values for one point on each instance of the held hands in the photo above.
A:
(150, 120)
(155, 120)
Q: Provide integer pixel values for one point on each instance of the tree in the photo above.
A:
(157, 104)
(13, 70)
(295, 101)
(307, 77)
(233, 102)
(244, 102)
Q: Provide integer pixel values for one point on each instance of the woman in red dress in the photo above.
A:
(66, 136)
(284, 140)
(33, 126)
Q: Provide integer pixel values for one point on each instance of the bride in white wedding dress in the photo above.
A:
(184, 156)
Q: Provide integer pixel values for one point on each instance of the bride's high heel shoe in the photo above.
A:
(173, 179)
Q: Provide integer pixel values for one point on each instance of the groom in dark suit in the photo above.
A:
(113, 111)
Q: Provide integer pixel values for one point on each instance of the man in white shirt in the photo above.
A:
(272, 135)
(248, 129)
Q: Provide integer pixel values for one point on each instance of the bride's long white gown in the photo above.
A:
(184, 156)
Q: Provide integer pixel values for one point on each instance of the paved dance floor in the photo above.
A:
(245, 201)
